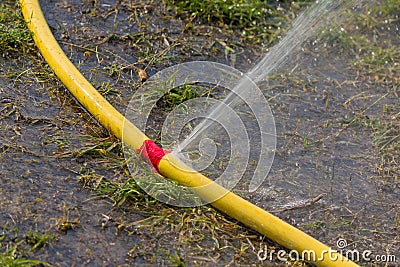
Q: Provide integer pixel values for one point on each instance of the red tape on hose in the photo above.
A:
(152, 153)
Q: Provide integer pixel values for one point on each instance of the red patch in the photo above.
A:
(152, 153)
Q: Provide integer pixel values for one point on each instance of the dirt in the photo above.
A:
(322, 149)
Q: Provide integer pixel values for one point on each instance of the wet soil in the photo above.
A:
(322, 149)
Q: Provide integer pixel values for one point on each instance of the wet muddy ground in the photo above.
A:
(64, 178)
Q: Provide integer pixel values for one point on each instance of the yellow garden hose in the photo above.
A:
(231, 204)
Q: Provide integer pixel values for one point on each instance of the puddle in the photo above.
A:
(39, 173)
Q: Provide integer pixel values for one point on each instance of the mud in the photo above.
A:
(321, 149)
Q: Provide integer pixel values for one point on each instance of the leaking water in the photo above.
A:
(319, 15)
